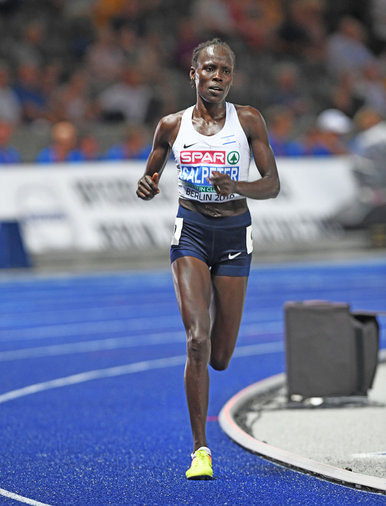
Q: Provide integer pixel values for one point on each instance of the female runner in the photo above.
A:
(212, 142)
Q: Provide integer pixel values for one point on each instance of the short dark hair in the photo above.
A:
(213, 42)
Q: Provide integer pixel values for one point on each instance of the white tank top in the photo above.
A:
(197, 155)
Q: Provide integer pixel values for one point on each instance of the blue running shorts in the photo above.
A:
(224, 244)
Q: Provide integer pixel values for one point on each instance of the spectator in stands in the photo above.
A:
(344, 95)
(289, 90)
(256, 21)
(104, 60)
(8, 154)
(301, 35)
(378, 22)
(133, 13)
(29, 91)
(371, 131)
(187, 39)
(211, 17)
(104, 10)
(136, 145)
(310, 16)
(128, 99)
(130, 44)
(89, 147)
(72, 100)
(32, 47)
(329, 136)
(50, 81)
(282, 129)
(64, 145)
(370, 86)
(346, 48)
(10, 109)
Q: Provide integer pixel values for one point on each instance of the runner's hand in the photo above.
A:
(222, 183)
(148, 187)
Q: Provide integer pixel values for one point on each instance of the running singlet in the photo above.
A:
(197, 155)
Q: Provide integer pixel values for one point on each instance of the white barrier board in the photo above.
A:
(93, 206)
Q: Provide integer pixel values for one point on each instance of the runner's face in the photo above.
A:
(214, 73)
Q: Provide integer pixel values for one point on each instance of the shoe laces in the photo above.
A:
(200, 456)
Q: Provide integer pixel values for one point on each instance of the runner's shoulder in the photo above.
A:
(170, 122)
(248, 112)
(250, 118)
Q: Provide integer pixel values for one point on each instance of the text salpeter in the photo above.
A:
(199, 175)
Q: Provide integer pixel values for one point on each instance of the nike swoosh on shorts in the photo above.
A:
(231, 257)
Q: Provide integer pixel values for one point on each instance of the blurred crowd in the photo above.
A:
(75, 69)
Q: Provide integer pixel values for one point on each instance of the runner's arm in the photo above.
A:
(159, 155)
(268, 186)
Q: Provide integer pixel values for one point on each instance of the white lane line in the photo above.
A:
(76, 314)
(91, 346)
(92, 375)
(81, 328)
(243, 351)
(20, 498)
(67, 330)
(104, 344)
(259, 349)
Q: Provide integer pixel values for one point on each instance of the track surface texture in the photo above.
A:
(92, 400)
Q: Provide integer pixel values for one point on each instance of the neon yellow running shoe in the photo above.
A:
(201, 467)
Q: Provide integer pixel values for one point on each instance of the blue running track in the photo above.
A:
(91, 388)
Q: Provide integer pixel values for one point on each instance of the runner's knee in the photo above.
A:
(220, 362)
(198, 345)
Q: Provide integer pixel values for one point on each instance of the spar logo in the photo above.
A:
(205, 157)
(233, 157)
